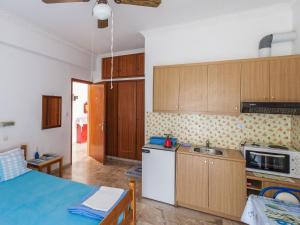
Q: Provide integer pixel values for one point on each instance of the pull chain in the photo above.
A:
(112, 51)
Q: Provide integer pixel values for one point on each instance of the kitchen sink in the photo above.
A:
(209, 151)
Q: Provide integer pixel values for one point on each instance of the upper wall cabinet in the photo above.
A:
(128, 66)
(106, 67)
(255, 81)
(193, 89)
(166, 89)
(285, 80)
(220, 87)
(124, 66)
(140, 71)
(224, 88)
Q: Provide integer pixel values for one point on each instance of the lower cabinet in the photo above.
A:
(212, 185)
(192, 181)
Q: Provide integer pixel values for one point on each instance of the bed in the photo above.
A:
(36, 198)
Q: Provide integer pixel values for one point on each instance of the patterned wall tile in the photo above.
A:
(264, 128)
(222, 131)
(296, 132)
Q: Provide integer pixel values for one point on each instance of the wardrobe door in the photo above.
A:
(112, 119)
(140, 118)
(140, 61)
(127, 119)
(106, 67)
(127, 65)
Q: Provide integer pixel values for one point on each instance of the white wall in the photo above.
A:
(97, 74)
(80, 90)
(228, 37)
(32, 65)
(296, 19)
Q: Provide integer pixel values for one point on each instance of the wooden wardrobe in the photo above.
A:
(125, 116)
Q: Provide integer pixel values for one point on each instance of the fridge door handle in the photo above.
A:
(146, 151)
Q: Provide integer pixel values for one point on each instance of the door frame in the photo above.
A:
(74, 80)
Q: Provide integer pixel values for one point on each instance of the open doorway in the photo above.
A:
(79, 120)
(88, 121)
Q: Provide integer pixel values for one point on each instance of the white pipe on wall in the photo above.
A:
(265, 44)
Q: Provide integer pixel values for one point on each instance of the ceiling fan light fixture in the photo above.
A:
(102, 11)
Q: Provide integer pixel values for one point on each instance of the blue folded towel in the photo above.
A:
(82, 210)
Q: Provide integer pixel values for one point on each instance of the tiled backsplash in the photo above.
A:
(225, 131)
(296, 132)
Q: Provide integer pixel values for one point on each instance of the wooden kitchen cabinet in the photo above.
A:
(193, 89)
(106, 67)
(255, 81)
(227, 193)
(192, 181)
(212, 184)
(166, 89)
(285, 80)
(224, 85)
(220, 87)
(127, 119)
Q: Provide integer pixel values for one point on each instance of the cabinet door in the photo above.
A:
(106, 67)
(192, 181)
(140, 64)
(224, 81)
(127, 66)
(255, 81)
(140, 117)
(166, 89)
(193, 89)
(127, 119)
(227, 187)
(112, 119)
(285, 80)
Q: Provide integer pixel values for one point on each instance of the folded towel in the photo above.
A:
(104, 198)
(98, 204)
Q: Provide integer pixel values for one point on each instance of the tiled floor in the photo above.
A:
(87, 170)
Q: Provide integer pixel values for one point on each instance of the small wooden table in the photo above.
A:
(47, 164)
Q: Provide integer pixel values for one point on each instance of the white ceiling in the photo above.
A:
(75, 23)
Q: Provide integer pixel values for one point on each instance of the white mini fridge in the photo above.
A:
(158, 173)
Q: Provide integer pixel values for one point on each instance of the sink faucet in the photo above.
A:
(207, 143)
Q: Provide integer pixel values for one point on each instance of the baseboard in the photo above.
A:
(122, 159)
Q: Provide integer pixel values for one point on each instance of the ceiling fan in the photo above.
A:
(102, 11)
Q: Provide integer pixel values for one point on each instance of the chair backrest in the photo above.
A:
(283, 194)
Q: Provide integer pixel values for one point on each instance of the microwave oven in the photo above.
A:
(274, 160)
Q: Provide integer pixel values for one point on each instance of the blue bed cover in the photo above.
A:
(39, 199)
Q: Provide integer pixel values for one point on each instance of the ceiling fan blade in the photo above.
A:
(147, 3)
(63, 1)
(102, 24)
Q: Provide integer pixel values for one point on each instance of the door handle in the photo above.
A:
(146, 151)
(102, 126)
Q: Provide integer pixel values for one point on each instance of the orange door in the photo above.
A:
(96, 140)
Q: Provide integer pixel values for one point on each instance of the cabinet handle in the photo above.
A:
(236, 108)
(205, 161)
(212, 163)
(273, 97)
